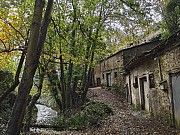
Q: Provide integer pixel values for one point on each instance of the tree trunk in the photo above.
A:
(55, 87)
(69, 80)
(62, 80)
(84, 79)
(28, 117)
(88, 80)
(91, 56)
(16, 81)
(18, 112)
(73, 90)
(35, 46)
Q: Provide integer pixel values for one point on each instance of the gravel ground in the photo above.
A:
(124, 121)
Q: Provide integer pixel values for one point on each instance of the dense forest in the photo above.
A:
(48, 49)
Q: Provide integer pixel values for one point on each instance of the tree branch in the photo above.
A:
(3, 43)
(60, 35)
(12, 27)
(12, 50)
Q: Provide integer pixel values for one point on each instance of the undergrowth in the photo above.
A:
(91, 114)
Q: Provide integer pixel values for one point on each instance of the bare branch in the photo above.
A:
(60, 35)
(3, 44)
(12, 50)
(12, 27)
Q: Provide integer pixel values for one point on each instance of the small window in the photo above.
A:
(135, 83)
(103, 76)
(151, 81)
(115, 74)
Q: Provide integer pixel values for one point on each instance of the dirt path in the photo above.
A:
(124, 121)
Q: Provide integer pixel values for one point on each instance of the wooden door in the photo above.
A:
(144, 94)
(109, 82)
(175, 78)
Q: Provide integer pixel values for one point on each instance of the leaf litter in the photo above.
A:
(124, 120)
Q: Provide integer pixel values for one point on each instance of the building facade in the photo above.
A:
(110, 70)
(153, 80)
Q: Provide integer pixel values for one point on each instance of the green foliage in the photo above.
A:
(118, 89)
(15, 19)
(165, 34)
(172, 16)
(6, 79)
(77, 122)
(90, 114)
(96, 111)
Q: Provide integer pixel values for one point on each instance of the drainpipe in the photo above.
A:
(160, 69)
(130, 88)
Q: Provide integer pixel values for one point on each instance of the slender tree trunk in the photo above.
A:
(32, 103)
(62, 79)
(55, 87)
(88, 79)
(16, 81)
(84, 80)
(69, 87)
(35, 46)
(73, 90)
(62, 76)
(70, 69)
(19, 108)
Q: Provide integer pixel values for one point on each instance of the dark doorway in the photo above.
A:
(144, 94)
(98, 81)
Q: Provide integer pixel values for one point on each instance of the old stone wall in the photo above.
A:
(112, 65)
(159, 100)
(143, 71)
(97, 74)
(129, 53)
(115, 63)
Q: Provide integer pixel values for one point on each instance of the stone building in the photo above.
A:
(153, 80)
(97, 75)
(109, 72)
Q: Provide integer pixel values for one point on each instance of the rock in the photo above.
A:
(45, 114)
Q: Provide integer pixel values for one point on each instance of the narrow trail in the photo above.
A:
(124, 121)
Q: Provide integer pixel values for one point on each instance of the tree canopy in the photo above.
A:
(62, 40)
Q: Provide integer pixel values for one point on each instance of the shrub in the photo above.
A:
(118, 89)
(91, 114)
(6, 79)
